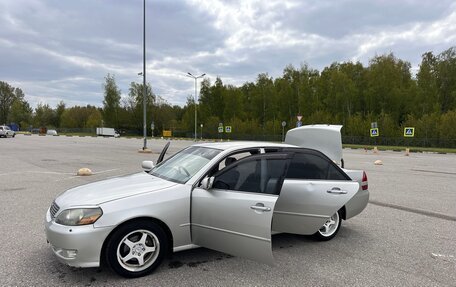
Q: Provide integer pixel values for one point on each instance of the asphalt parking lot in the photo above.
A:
(405, 237)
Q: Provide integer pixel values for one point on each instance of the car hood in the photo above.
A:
(325, 138)
(112, 189)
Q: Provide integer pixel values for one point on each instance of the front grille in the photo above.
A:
(54, 209)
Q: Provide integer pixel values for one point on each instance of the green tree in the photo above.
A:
(20, 113)
(58, 114)
(81, 117)
(134, 106)
(94, 118)
(8, 95)
(44, 115)
(446, 79)
(389, 86)
(111, 102)
(426, 100)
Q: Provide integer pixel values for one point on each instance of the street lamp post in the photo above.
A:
(196, 96)
(144, 78)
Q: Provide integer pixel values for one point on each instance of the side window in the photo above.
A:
(260, 175)
(232, 158)
(242, 177)
(335, 174)
(307, 166)
(311, 166)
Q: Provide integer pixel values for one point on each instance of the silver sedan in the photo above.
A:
(227, 196)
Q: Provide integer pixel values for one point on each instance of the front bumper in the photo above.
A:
(77, 246)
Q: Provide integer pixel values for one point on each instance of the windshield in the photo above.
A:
(185, 164)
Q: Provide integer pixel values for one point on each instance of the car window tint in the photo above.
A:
(242, 177)
(275, 172)
(235, 157)
(308, 166)
(260, 175)
(335, 173)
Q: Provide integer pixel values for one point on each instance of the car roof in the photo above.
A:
(235, 145)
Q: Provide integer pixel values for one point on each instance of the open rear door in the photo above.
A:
(305, 205)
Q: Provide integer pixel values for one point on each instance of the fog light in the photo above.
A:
(65, 253)
(71, 254)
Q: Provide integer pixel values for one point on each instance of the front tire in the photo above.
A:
(136, 249)
(329, 230)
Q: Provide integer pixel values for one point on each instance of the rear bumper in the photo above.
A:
(357, 204)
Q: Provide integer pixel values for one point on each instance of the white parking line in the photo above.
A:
(31, 171)
(445, 257)
(94, 173)
(105, 171)
(73, 174)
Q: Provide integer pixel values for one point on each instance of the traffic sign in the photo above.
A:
(374, 132)
(228, 129)
(298, 124)
(374, 125)
(409, 132)
(220, 129)
(299, 118)
(284, 123)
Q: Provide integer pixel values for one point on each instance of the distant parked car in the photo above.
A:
(5, 131)
(52, 133)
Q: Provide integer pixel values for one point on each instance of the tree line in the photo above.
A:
(349, 93)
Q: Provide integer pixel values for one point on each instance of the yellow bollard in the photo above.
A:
(375, 150)
(407, 152)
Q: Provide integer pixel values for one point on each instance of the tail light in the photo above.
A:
(364, 185)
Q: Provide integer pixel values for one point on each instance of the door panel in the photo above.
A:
(304, 205)
(237, 223)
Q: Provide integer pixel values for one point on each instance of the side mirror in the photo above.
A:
(147, 165)
(207, 182)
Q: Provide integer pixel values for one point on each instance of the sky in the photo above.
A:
(58, 50)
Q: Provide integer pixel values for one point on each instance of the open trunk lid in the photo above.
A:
(324, 138)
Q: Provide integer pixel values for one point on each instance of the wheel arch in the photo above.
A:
(166, 229)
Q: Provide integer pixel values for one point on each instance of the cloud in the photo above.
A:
(62, 50)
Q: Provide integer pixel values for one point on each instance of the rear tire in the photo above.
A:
(136, 249)
(329, 230)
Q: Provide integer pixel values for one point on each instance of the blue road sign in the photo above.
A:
(409, 132)
(374, 132)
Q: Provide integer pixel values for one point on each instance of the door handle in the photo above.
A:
(261, 208)
(336, 190)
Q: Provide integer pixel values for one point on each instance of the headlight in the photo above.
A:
(79, 216)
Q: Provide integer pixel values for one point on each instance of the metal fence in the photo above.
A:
(381, 141)
(400, 141)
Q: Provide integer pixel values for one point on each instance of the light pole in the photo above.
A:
(196, 96)
(144, 77)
